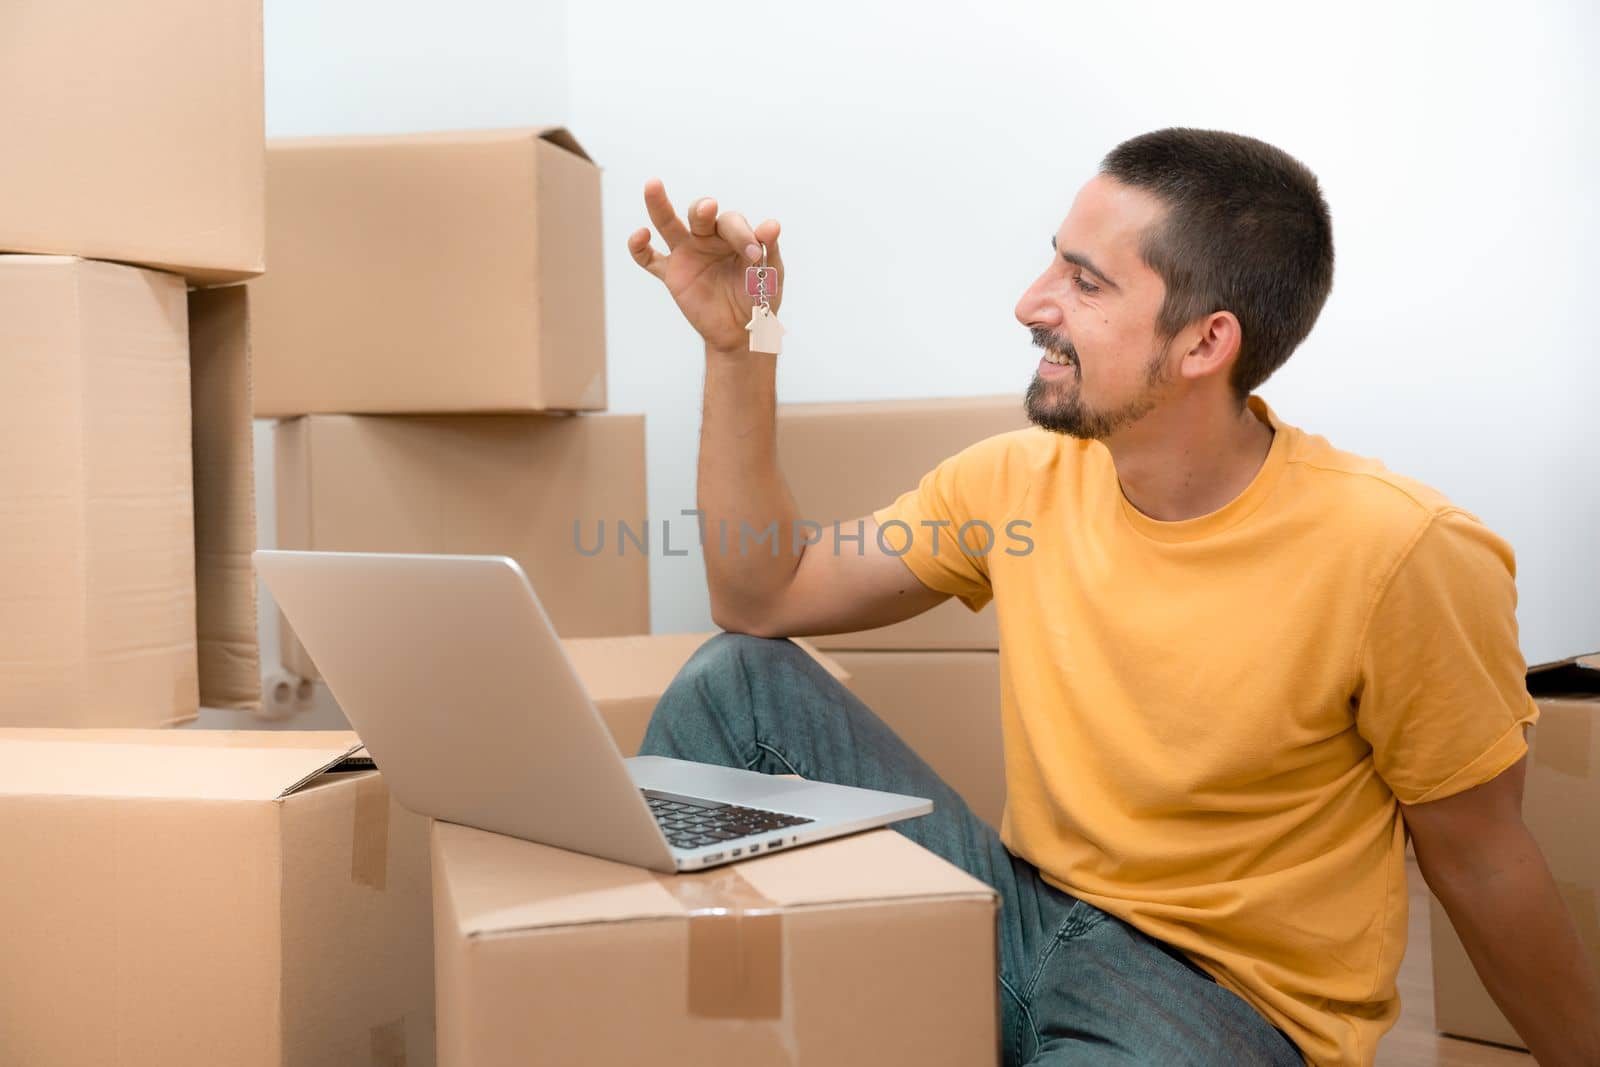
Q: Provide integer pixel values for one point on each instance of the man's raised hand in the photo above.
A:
(705, 264)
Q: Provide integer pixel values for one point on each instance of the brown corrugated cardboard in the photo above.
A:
(193, 898)
(431, 273)
(864, 950)
(946, 706)
(128, 592)
(97, 598)
(224, 499)
(843, 461)
(625, 676)
(512, 485)
(134, 132)
(1561, 808)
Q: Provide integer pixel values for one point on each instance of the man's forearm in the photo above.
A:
(746, 509)
(1525, 948)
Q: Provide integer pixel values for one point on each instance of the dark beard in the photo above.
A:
(1057, 405)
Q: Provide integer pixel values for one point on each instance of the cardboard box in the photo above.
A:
(431, 273)
(178, 898)
(537, 488)
(1561, 807)
(864, 950)
(843, 461)
(115, 503)
(946, 706)
(625, 676)
(134, 132)
(227, 624)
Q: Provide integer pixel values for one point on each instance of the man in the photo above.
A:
(1239, 665)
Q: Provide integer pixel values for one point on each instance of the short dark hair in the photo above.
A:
(1246, 230)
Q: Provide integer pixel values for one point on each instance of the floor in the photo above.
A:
(1413, 1042)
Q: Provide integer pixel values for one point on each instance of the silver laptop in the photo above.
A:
(449, 670)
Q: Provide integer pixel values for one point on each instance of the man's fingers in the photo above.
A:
(662, 216)
(703, 217)
(733, 228)
(645, 254)
(702, 221)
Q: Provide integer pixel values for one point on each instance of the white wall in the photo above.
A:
(398, 66)
(920, 156)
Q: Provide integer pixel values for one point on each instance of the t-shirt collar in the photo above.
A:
(1234, 510)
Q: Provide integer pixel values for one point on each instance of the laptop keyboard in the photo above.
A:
(692, 823)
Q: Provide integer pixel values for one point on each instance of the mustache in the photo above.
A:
(1053, 342)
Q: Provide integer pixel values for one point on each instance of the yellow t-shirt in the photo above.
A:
(1208, 722)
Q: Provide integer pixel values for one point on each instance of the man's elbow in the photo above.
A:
(742, 620)
(1453, 867)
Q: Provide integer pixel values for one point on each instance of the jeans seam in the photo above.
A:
(1090, 921)
(1005, 985)
(1055, 943)
(779, 756)
(1027, 1014)
(1033, 1028)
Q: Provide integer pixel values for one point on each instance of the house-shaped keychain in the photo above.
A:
(766, 332)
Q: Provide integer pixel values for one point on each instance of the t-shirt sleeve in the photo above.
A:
(1443, 697)
(945, 528)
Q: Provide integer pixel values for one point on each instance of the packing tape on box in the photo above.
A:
(369, 848)
(735, 945)
(1562, 741)
(1584, 908)
(388, 1043)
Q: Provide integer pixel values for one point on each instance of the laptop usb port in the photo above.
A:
(774, 844)
(737, 852)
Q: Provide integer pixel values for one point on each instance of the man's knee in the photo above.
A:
(730, 656)
(714, 698)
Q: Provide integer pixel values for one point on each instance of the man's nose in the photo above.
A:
(1037, 308)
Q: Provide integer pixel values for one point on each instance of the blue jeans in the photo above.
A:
(1077, 986)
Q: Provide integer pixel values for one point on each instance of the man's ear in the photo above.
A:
(1214, 344)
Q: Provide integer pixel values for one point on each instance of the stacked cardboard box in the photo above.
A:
(191, 898)
(133, 133)
(432, 324)
(170, 897)
(935, 679)
(126, 496)
(1561, 808)
(432, 334)
(864, 950)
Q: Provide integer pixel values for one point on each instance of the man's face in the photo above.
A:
(1094, 308)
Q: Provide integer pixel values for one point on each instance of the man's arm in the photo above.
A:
(778, 588)
(1486, 869)
(757, 586)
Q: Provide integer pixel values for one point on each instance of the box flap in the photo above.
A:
(829, 664)
(177, 764)
(1590, 660)
(640, 666)
(559, 136)
(35, 260)
(501, 885)
(1577, 676)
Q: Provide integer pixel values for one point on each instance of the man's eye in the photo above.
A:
(1084, 284)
